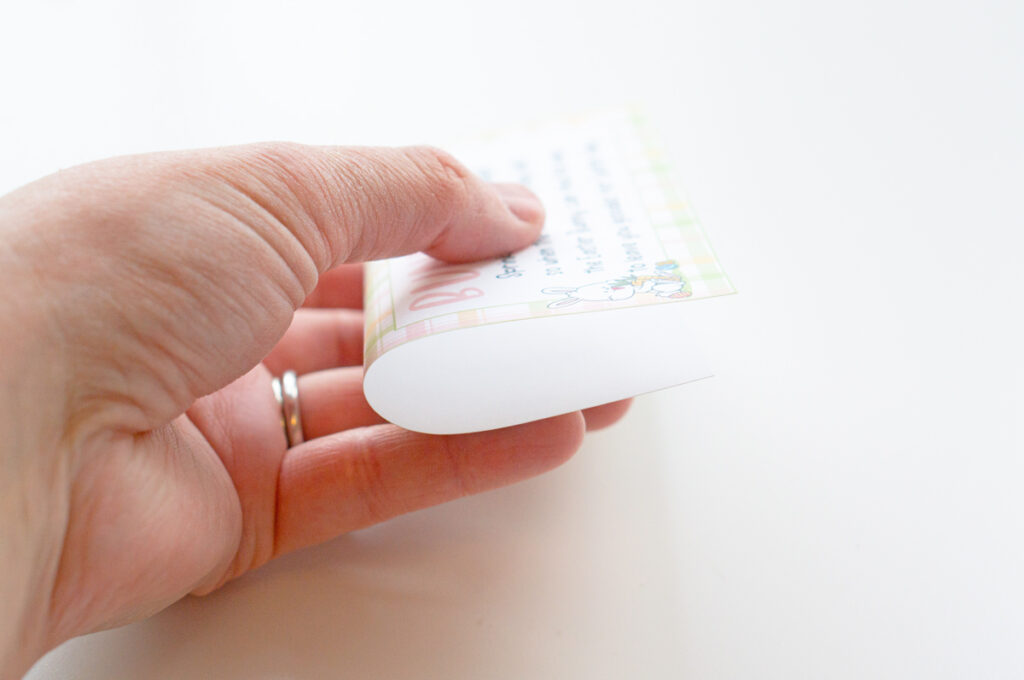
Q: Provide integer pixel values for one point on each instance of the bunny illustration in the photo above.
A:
(610, 291)
(665, 281)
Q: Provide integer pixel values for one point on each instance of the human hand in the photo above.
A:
(146, 303)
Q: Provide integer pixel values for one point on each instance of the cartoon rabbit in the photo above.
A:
(664, 282)
(594, 292)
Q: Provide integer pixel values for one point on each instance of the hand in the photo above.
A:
(142, 456)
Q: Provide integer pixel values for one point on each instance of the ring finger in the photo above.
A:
(319, 339)
(332, 401)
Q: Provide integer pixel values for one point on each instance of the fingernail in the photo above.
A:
(522, 202)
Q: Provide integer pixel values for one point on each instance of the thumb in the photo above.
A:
(348, 204)
(166, 276)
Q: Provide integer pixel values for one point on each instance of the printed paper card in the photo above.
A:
(618, 235)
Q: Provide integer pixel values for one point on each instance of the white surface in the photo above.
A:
(453, 382)
(842, 501)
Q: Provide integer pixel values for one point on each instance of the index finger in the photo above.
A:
(356, 478)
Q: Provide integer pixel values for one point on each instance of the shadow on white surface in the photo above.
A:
(569, 574)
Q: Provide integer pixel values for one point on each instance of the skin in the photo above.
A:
(147, 301)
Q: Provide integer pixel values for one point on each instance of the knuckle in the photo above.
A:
(448, 180)
(280, 152)
(287, 166)
(457, 471)
(291, 171)
(295, 187)
(365, 474)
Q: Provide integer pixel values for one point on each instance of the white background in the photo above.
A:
(843, 500)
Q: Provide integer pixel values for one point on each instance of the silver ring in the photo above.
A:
(290, 408)
(275, 385)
